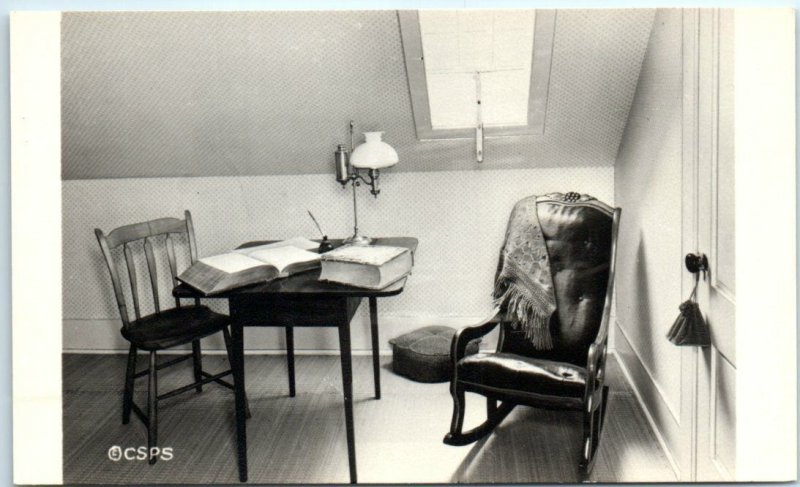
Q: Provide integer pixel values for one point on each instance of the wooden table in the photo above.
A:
(299, 301)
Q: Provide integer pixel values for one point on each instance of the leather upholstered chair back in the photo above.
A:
(578, 234)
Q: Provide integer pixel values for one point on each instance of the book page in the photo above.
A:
(231, 262)
(282, 257)
(298, 242)
(370, 255)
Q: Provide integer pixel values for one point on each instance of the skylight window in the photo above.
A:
(478, 72)
(477, 66)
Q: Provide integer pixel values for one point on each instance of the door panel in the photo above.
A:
(724, 416)
(724, 228)
(716, 408)
(723, 225)
(709, 391)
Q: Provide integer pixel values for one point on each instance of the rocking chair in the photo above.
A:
(580, 235)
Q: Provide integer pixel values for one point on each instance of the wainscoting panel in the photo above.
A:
(662, 419)
(459, 218)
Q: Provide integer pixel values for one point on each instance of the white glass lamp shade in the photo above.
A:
(374, 153)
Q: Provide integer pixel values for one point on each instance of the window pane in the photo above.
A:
(505, 97)
(497, 44)
(452, 99)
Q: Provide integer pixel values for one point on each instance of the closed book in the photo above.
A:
(371, 267)
(242, 267)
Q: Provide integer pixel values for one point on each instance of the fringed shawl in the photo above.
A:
(524, 286)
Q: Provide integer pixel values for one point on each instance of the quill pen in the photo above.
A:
(316, 223)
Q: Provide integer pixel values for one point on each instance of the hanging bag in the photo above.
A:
(690, 328)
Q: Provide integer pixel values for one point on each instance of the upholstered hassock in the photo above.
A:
(423, 355)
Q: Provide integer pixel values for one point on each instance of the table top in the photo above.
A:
(308, 283)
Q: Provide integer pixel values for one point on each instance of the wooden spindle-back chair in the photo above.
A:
(164, 328)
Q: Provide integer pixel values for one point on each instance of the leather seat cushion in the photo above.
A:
(520, 373)
(174, 327)
(424, 354)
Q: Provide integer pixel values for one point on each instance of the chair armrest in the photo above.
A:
(465, 335)
(597, 347)
(596, 359)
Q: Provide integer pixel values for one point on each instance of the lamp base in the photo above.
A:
(357, 240)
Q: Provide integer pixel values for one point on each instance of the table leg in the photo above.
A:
(347, 384)
(376, 362)
(237, 337)
(290, 358)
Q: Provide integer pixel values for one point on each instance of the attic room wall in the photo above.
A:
(649, 189)
(264, 93)
(235, 116)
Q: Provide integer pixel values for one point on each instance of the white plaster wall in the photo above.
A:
(648, 188)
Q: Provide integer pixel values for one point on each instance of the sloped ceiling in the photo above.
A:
(256, 93)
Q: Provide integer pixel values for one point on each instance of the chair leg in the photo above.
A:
(226, 335)
(586, 445)
(152, 408)
(197, 358)
(592, 429)
(127, 395)
(290, 358)
(457, 422)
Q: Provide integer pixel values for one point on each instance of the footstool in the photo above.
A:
(423, 355)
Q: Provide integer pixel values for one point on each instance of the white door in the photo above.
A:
(709, 218)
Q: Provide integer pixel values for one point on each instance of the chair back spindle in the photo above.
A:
(115, 281)
(132, 277)
(190, 237)
(153, 270)
(173, 268)
(192, 245)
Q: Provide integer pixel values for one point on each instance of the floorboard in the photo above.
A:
(302, 439)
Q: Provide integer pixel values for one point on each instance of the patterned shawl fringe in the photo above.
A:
(530, 310)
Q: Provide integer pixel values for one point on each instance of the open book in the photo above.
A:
(241, 267)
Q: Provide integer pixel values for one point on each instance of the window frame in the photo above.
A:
(541, 62)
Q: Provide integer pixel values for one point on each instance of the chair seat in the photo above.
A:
(519, 373)
(174, 327)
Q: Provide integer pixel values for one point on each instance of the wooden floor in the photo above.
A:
(302, 439)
